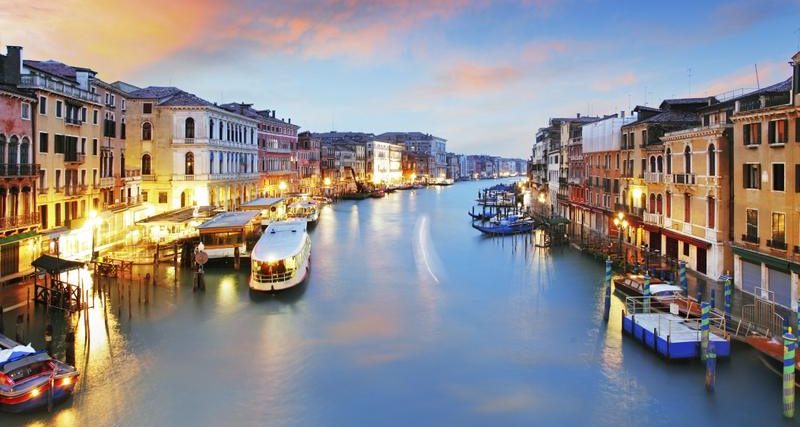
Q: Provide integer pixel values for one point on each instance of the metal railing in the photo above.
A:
(74, 158)
(751, 239)
(761, 315)
(777, 244)
(19, 169)
(274, 278)
(9, 222)
(35, 81)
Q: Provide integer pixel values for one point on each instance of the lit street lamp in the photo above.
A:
(621, 223)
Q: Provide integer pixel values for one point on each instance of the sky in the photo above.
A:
(483, 74)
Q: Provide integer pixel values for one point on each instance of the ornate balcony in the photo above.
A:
(13, 222)
(683, 178)
(654, 218)
(654, 177)
(19, 170)
(107, 182)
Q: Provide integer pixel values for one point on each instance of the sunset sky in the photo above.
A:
(482, 74)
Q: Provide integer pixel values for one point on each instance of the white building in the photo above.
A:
(384, 162)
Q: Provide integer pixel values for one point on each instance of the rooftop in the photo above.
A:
(229, 220)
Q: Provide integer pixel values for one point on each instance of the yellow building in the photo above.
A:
(766, 186)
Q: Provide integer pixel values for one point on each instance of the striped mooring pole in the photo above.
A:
(682, 276)
(711, 368)
(607, 302)
(797, 324)
(705, 310)
(728, 297)
(646, 293)
(713, 298)
(789, 342)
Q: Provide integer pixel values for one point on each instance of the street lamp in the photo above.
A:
(282, 187)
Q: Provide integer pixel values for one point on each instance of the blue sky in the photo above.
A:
(483, 74)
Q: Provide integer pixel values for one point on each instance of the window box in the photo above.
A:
(776, 244)
(750, 239)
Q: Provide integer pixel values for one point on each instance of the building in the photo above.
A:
(308, 162)
(427, 144)
(641, 140)
(19, 220)
(558, 160)
(766, 192)
(279, 167)
(191, 152)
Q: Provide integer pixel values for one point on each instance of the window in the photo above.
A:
(43, 105)
(122, 129)
(778, 227)
(94, 177)
(94, 146)
(44, 142)
(712, 161)
(778, 183)
(147, 131)
(144, 196)
(711, 213)
(752, 134)
(58, 179)
(83, 114)
(147, 108)
(189, 164)
(59, 109)
(189, 128)
(687, 207)
(42, 178)
(751, 176)
(95, 117)
(83, 145)
(687, 160)
(26, 110)
(162, 197)
(669, 161)
(59, 144)
(685, 249)
(752, 225)
(797, 178)
(797, 129)
(124, 104)
(146, 164)
(777, 131)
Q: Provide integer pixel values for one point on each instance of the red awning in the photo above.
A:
(687, 239)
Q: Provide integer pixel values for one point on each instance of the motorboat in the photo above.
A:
(281, 257)
(505, 226)
(304, 210)
(31, 379)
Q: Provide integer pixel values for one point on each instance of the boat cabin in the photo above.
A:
(271, 208)
(230, 234)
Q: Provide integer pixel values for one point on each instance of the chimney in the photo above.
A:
(12, 66)
(273, 114)
(796, 78)
(622, 114)
(579, 115)
(290, 120)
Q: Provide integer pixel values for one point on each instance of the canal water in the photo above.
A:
(410, 317)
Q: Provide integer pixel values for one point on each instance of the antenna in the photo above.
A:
(758, 82)
(689, 70)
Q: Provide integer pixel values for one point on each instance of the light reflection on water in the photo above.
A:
(409, 317)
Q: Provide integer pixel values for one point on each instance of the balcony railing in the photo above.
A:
(33, 81)
(75, 190)
(72, 121)
(133, 201)
(750, 239)
(132, 173)
(18, 170)
(653, 177)
(75, 158)
(654, 218)
(777, 244)
(106, 182)
(683, 178)
(11, 222)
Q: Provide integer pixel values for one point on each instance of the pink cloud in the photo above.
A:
(745, 78)
(615, 82)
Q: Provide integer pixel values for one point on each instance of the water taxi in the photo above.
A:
(304, 210)
(281, 258)
(31, 379)
(229, 234)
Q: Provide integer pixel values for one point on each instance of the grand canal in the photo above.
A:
(410, 317)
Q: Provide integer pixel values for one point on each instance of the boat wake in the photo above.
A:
(425, 254)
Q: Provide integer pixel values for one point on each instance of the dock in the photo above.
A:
(671, 335)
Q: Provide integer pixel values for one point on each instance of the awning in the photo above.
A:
(53, 264)
(684, 238)
(18, 237)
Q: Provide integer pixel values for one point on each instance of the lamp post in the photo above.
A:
(621, 223)
(282, 187)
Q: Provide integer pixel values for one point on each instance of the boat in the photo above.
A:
(355, 196)
(505, 226)
(281, 257)
(480, 217)
(305, 210)
(663, 294)
(771, 349)
(31, 379)
(377, 194)
(391, 189)
(418, 186)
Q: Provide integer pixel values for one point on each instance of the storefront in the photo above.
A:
(766, 276)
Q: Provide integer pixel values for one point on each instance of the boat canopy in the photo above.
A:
(281, 240)
(657, 289)
(229, 220)
(262, 202)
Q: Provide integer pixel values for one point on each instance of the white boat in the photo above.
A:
(281, 258)
(304, 210)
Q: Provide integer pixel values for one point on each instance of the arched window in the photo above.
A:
(2, 148)
(660, 164)
(669, 161)
(669, 204)
(122, 129)
(712, 161)
(652, 164)
(660, 205)
(211, 163)
(211, 128)
(189, 164)
(652, 203)
(24, 151)
(687, 160)
(146, 164)
(147, 131)
(189, 127)
(13, 151)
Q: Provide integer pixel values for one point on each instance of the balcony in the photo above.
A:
(107, 182)
(148, 177)
(653, 177)
(73, 121)
(75, 158)
(19, 170)
(12, 222)
(31, 81)
(75, 190)
(777, 244)
(683, 178)
(654, 218)
(133, 201)
(132, 174)
(751, 239)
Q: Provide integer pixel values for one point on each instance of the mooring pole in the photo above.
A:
(728, 296)
(682, 276)
(607, 301)
(646, 293)
(48, 339)
(713, 298)
(705, 310)
(711, 368)
(789, 342)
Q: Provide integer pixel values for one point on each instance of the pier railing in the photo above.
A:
(642, 305)
(760, 317)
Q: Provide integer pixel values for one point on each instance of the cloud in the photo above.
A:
(745, 78)
(615, 82)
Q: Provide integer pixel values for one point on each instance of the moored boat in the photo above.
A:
(31, 379)
(305, 210)
(377, 194)
(505, 226)
(281, 257)
(355, 196)
(663, 294)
